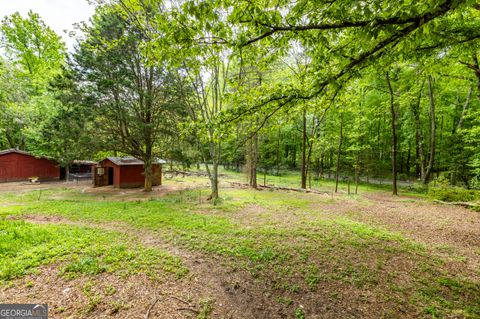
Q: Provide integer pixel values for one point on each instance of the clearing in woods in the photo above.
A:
(104, 253)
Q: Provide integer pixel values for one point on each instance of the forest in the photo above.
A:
(242, 159)
(353, 90)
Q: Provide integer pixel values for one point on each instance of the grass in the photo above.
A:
(289, 178)
(80, 251)
(288, 248)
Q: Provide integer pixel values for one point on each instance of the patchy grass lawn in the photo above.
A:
(299, 255)
(78, 250)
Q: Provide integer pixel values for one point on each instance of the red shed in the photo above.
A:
(16, 165)
(124, 172)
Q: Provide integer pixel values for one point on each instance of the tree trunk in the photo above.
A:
(330, 162)
(340, 140)
(400, 169)
(10, 140)
(464, 111)
(251, 160)
(213, 173)
(357, 169)
(408, 159)
(476, 69)
(148, 171)
(394, 137)
(431, 158)
(214, 182)
(304, 151)
(379, 140)
(320, 167)
(254, 160)
(420, 162)
(294, 157)
(440, 146)
(278, 151)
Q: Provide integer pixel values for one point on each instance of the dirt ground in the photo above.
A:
(232, 292)
(435, 225)
(169, 186)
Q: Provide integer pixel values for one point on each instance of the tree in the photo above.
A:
(180, 33)
(431, 158)
(136, 101)
(393, 113)
(342, 37)
(339, 153)
(34, 55)
(69, 134)
(204, 107)
(14, 94)
(33, 46)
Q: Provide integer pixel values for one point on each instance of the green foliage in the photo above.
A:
(442, 190)
(35, 55)
(299, 313)
(133, 103)
(82, 251)
(453, 194)
(206, 309)
(31, 44)
(277, 85)
(220, 75)
(307, 250)
(418, 188)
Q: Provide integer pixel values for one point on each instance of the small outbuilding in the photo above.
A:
(16, 165)
(124, 172)
(81, 170)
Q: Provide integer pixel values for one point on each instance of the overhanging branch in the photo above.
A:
(417, 20)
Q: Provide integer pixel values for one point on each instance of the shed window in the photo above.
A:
(100, 171)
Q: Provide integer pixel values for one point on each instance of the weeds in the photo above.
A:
(83, 251)
(291, 257)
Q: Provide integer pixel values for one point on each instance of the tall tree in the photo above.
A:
(34, 46)
(35, 55)
(135, 99)
(339, 153)
(431, 158)
(180, 32)
(393, 114)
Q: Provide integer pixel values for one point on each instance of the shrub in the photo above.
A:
(445, 192)
(475, 183)
(417, 188)
(452, 194)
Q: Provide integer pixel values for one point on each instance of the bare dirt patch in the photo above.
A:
(229, 291)
(108, 296)
(26, 186)
(234, 292)
(454, 228)
(106, 192)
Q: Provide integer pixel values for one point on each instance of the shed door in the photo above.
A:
(100, 176)
(110, 176)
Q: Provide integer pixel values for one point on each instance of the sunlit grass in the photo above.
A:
(291, 255)
(80, 251)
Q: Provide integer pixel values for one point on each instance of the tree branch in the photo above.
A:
(417, 20)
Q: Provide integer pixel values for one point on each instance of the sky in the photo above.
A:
(60, 15)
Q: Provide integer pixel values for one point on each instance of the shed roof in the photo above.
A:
(131, 161)
(84, 162)
(14, 150)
